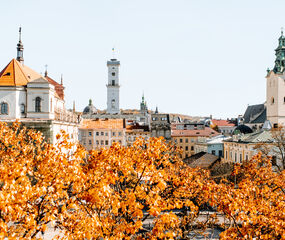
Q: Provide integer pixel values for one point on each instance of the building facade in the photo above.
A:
(160, 125)
(135, 131)
(34, 100)
(187, 135)
(102, 133)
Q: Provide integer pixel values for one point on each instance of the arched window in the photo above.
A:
(113, 74)
(4, 108)
(272, 100)
(38, 104)
(22, 108)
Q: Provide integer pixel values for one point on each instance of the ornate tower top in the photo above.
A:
(20, 48)
(280, 55)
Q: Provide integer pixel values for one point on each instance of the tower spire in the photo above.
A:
(280, 55)
(20, 48)
(61, 79)
(46, 72)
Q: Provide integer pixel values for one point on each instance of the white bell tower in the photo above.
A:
(113, 87)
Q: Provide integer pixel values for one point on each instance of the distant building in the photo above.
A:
(255, 116)
(99, 133)
(242, 147)
(187, 135)
(160, 125)
(214, 145)
(223, 126)
(34, 100)
(135, 131)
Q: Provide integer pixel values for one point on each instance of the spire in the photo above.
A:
(73, 109)
(90, 102)
(61, 79)
(156, 110)
(20, 48)
(280, 55)
(46, 72)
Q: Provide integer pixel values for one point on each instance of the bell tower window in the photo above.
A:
(38, 104)
(272, 100)
(113, 82)
(113, 74)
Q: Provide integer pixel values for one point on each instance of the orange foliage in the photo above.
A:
(143, 191)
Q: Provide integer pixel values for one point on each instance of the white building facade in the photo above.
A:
(113, 87)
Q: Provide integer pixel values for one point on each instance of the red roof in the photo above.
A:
(222, 123)
(207, 132)
(58, 87)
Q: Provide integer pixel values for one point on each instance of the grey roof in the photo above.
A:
(255, 114)
(202, 159)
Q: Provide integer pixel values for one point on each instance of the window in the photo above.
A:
(154, 119)
(113, 82)
(235, 157)
(90, 142)
(22, 108)
(114, 134)
(113, 74)
(163, 119)
(275, 125)
(272, 100)
(4, 108)
(97, 142)
(97, 133)
(120, 133)
(284, 99)
(38, 104)
(186, 140)
(102, 133)
(240, 158)
(106, 142)
(246, 157)
(120, 141)
(192, 148)
(90, 133)
(181, 140)
(220, 153)
(106, 134)
(102, 142)
(213, 152)
(186, 148)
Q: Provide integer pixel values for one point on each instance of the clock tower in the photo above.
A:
(113, 87)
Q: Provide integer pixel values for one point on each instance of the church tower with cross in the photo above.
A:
(113, 87)
(275, 86)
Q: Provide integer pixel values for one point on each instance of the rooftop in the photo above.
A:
(102, 124)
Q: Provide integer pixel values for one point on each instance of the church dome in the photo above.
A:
(90, 109)
(242, 129)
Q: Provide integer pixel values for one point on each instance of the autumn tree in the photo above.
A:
(109, 193)
(255, 205)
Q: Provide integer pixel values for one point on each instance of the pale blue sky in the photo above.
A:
(197, 57)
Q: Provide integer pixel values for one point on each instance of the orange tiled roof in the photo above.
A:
(206, 132)
(16, 74)
(102, 124)
(222, 123)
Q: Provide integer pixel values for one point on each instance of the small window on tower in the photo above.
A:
(284, 100)
(113, 82)
(113, 74)
(272, 100)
